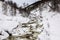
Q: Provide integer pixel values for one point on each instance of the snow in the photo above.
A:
(53, 19)
(4, 34)
(21, 19)
(51, 24)
(55, 27)
(8, 23)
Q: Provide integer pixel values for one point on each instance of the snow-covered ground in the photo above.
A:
(51, 24)
(8, 23)
(55, 27)
(50, 20)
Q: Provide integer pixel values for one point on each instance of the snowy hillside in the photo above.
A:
(39, 25)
